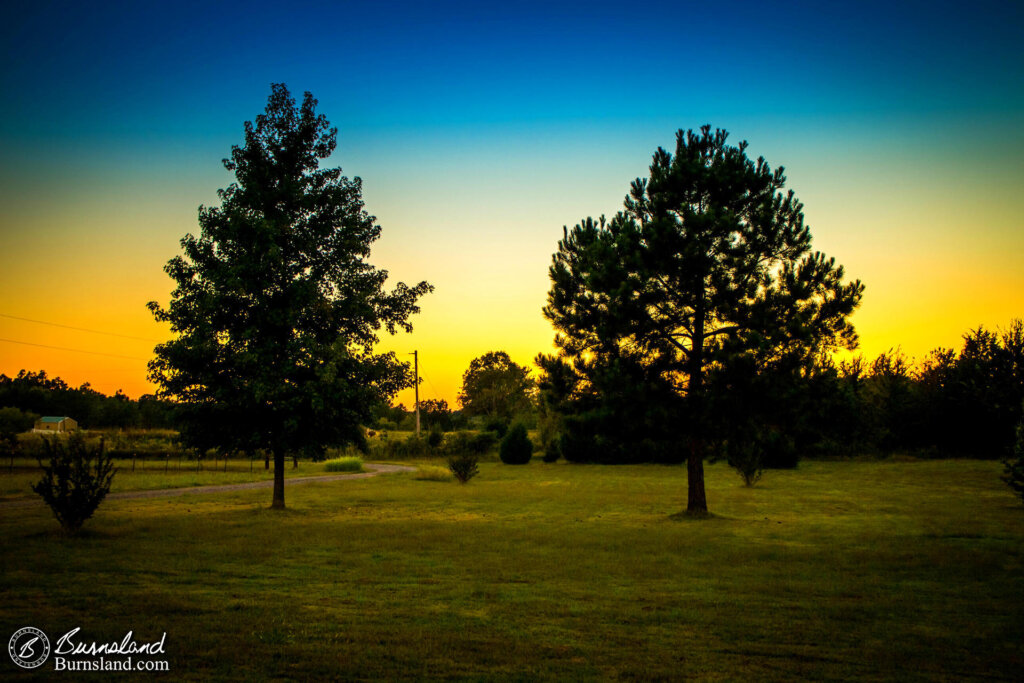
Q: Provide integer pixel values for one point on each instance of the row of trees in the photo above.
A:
(697, 322)
(965, 402)
(34, 392)
(495, 392)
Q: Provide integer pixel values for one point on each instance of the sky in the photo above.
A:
(481, 130)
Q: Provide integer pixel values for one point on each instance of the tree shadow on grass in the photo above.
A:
(58, 534)
(686, 516)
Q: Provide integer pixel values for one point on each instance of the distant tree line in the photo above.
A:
(35, 393)
(954, 403)
(496, 393)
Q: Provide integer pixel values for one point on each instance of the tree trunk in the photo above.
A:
(696, 499)
(697, 502)
(278, 502)
(266, 461)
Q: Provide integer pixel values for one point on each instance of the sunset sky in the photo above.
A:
(479, 131)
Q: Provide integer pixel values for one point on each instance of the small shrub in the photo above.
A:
(548, 427)
(75, 480)
(1013, 472)
(745, 458)
(433, 473)
(464, 466)
(516, 447)
(435, 436)
(552, 452)
(387, 425)
(351, 463)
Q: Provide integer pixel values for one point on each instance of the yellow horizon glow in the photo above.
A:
(939, 246)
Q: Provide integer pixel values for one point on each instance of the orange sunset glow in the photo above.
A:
(914, 189)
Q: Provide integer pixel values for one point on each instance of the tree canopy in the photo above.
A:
(495, 387)
(709, 264)
(276, 309)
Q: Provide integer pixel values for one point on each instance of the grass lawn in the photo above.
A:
(16, 484)
(838, 570)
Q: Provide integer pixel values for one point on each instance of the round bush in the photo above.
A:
(516, 447)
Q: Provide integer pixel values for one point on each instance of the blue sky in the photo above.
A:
(480, 130)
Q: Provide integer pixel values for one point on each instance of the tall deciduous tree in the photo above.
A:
(709, 261)
(277, 310)
(496, 387)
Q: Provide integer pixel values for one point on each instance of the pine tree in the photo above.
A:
(277, 310)
(709, 261)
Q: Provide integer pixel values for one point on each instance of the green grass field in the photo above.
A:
(16, 484)
(838, 570)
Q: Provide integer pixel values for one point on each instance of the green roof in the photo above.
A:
(52, 419)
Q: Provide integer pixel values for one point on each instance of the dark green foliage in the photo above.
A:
(12, 422)
(76, 479)
(709, 263)
(450, 444)
(963, 403)
(34, 392)
(15, 421)
(435, 436)
(622, 414)
(392, 416)
(496, 388)
(1013, 473)
(481, 443)
(407, 448)
(276, 310)
(436, 413)
(497, 425)
(970, 403)
(463, 466)
(549, 425)
(516, 447)
(746, 457)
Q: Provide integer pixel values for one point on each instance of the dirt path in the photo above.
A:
(218, 488)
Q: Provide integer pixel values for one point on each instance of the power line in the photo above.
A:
(437, 394)
(64, 348)
(80, 329)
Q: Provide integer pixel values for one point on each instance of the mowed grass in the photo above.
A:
(839, 570)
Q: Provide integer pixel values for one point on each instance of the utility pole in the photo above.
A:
(416, 371)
